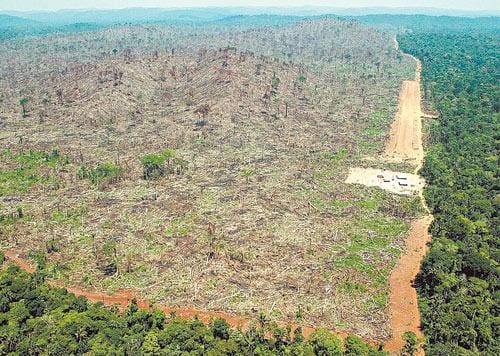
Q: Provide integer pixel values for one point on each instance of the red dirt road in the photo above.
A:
(403, 302)
(405, 144)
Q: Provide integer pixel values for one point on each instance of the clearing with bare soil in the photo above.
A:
(395, 182)
(405, 139)
(405, 144)
(207, 169)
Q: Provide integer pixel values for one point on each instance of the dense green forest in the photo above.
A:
(459, 279)
(36, 319)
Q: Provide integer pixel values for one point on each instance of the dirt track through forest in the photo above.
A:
(405, 144)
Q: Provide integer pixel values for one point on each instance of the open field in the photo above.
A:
(207, 168)
(395, 182)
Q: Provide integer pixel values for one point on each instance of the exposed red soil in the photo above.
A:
(405, 143)
(123, 298)
(403, 302)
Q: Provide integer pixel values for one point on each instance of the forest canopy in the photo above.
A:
(459, 279)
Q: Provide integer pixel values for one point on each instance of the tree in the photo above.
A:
(150, 346)
(23, 102)
(220, 328)
(411, 344)
(325, 343)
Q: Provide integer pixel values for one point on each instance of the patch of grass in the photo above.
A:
(377, 301)
(381, 226)
(368, 146)
(353, 260)
(179, 227)
(352, 287)
(24, 176)
(338, 156)
(370, 240)
(371, 203)
(338, 206)
(69, 216)
(361, 243)
(318, 202)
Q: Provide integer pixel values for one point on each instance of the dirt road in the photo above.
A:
(405, 144)
(403, 302)
(405, 140)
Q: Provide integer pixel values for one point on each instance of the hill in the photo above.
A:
(205, 166)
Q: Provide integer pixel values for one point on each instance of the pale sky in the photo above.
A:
(116, 4)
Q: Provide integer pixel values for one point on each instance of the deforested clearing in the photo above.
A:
(206, 166)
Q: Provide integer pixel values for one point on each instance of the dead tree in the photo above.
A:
(202, 110)
(59, 94)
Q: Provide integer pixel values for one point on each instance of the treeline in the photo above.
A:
(36, 319)
(432, 24)
(459, 279)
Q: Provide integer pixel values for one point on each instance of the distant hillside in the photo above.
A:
(425, 23)
(142, 15)
(7, 21)
(15, 23)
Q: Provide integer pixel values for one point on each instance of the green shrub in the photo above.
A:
(325, 343)
(103, 172)
(157, 164)
(411, 343)
(24, 176)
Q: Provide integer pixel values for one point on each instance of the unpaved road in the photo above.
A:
(405, 138)
(403, 302)
(405, 144)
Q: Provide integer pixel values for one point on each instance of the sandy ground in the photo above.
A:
(405, 140)
(395, 182)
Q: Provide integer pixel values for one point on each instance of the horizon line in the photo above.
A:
(257, 7)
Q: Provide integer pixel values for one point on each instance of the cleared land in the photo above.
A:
(256, 131)
(405, 140)
(394, 182)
